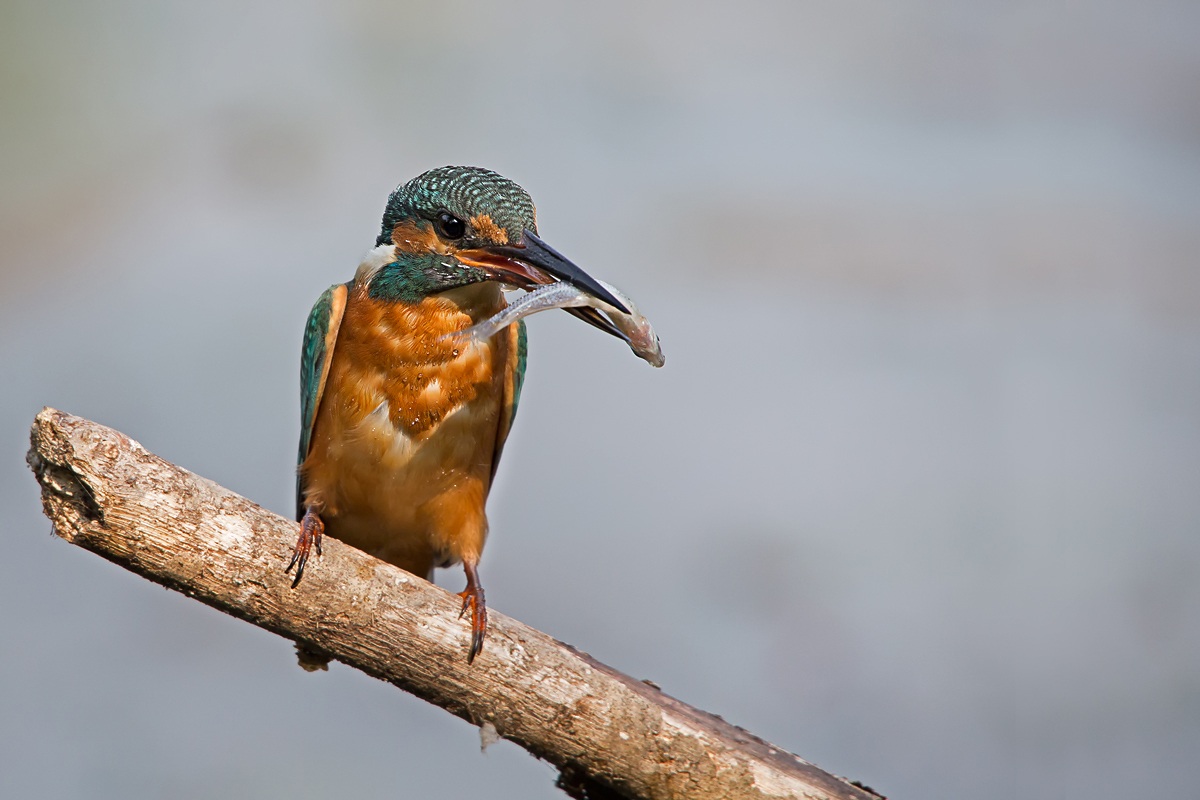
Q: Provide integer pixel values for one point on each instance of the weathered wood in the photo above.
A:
(604, 730)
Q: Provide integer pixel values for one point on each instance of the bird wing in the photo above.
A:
(518, 350)
(320, 334)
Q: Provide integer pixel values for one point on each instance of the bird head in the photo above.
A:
(453, 226)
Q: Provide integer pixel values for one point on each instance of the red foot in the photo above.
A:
(472, 598)
(311, 531)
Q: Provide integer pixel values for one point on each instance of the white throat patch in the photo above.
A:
(374, 261)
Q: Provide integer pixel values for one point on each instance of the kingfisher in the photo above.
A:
(402, 424)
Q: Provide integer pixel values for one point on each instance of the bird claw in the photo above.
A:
(312, 528)
(472, 598)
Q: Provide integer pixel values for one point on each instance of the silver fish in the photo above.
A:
(635, 328)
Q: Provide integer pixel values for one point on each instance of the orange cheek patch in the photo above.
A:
(488, 229)
(413, 237)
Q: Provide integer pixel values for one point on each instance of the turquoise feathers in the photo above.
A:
(465, 192)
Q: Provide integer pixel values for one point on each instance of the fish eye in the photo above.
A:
(450, 226)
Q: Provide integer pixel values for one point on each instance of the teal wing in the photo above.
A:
(518, 353)
(320, 335)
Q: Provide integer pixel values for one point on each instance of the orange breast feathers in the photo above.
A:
(399, 353)
(407, 414)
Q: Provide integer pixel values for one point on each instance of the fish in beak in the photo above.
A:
(532, 263)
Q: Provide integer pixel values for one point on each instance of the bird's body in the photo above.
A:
(410, 427)
(402, 426)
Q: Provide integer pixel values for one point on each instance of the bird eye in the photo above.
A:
(450, 226)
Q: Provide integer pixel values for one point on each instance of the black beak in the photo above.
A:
(532, 263)
(533, 250)
(511, 264)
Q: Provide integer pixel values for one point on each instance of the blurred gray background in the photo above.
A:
(916, 495)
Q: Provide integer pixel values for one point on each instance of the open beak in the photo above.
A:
(532, 263)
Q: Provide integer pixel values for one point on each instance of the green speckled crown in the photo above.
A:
(465, 192)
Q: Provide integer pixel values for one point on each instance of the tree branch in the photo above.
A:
(605, 731)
